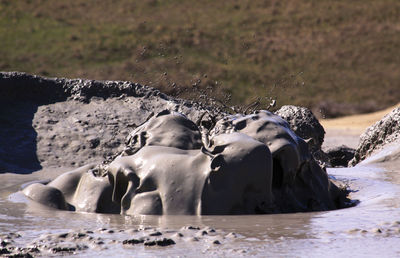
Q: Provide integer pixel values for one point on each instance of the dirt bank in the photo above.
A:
(347, 130)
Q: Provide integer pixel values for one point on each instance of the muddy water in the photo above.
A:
(372, 228)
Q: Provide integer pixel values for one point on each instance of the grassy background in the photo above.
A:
(336, 57)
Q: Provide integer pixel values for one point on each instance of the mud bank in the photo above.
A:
(70, 123)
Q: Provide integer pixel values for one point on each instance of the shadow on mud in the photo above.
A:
(18, 138)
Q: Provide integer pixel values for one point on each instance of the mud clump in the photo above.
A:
(382, 133)
(303, 122)
(9, 248)
(340, 156)
(160, 242)
(80, 241)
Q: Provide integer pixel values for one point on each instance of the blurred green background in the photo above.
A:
(336, 57)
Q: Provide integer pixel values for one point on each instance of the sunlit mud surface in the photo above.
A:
(75, 122)
(372, 228)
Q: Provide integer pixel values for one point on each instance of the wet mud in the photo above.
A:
(247, 164)
(57, 138)
(371, 228)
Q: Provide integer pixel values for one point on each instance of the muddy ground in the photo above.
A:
(41, 139)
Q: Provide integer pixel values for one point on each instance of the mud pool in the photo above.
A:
(372, 228)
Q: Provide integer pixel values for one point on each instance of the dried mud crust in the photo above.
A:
(304, 123)
(382, 133)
